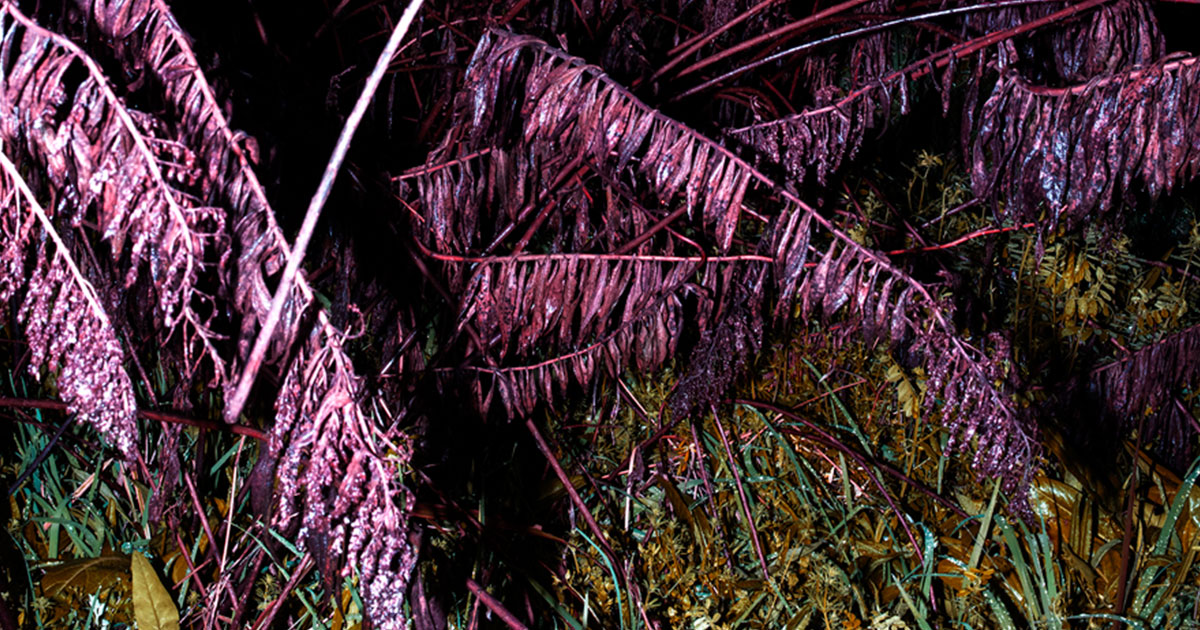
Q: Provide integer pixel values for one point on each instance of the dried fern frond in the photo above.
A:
(1117, 36)
(102, 156)
(819, 140)
(145, 36)
(67, 327)
(525, 101)
(1146, 384)
(341, 480)
(341, 529)
(585, 313)
(1074, 153)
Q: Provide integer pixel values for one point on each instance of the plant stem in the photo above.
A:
(237, 400)
(495, 606)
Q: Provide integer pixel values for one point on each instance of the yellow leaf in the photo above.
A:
(85, 576)
(152, 605)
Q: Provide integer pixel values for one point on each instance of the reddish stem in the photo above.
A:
(495, 606)
(570, 488)
(923, 67)
(737, 480)
(158, 416)
(963, 239)
(268, 615)
(750, 43)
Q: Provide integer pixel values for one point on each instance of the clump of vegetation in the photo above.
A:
(632, 315)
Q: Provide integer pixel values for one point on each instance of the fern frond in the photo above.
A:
(1147, 383)
(1116, 36)
(819, 140)
(587, 312)
(1075, 153)
(146, 36)
(103, 156)
(528, 102)
(354, 506)
(67, 327)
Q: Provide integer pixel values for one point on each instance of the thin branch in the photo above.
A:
(264, 620)
(1082, 88)
(862, 462)
(491, 260)
(41, 456)
(495, 606)
(924, 66)
(851, 34)
(774, 35)
(963, 239)
(238, 400)
(696, 43)
(570, 488)
(429, 169)
(157, 416)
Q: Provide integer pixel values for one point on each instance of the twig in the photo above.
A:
(774, 35)
(864, 462)
(712, 495)
(544, 195)
(428, 169)
(495, 606)
(736, 258)
(963, 239)
(238, 400)
(1142, 351)
(866, 30)
(578, 501)
(574, 169)
(268, 615)
(1081, 88)
(158, 416)
(644, 236)
(193, 568)
(204, 524)
(925, 66)
(570, 488)
(832, 440)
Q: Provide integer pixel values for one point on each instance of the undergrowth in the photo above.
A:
(819, 494)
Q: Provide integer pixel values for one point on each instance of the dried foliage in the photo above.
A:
(353, 506)
(340, 480)
(584, 226)
(146, 37)
(99, 156)
(66, 324)
(105, 158)
(820, 139)
(1143, 388)
(1073, 154)
(585, 304)
(1116, 36)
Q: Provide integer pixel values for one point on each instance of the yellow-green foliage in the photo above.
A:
(830, 528)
